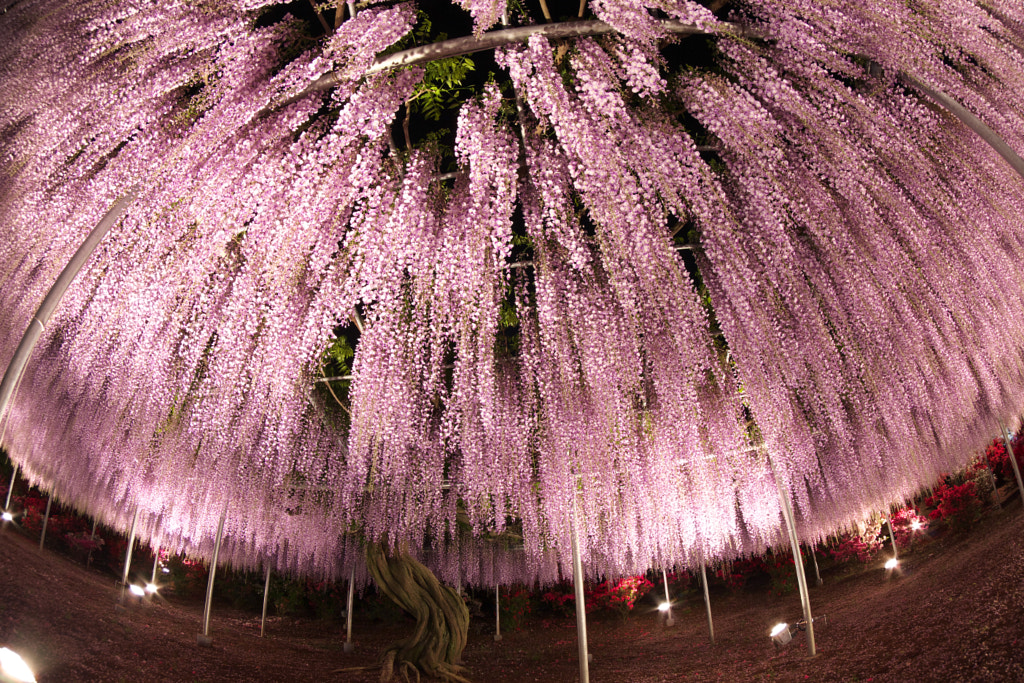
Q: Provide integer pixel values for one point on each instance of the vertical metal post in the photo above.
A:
(128, 552)
(266, 596)
(16, 366)
(46, 520)
(817, 574)
(669, 621)
(348, 609)
(156, 562)
(707, 601)
(581, 608)
(1013, 460)
(497, 612)
(892, 536)
(92, 540)
(204, 638)
(798, 562)
(10, 490)
(995, 488)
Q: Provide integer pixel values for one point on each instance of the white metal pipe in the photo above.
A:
(213, 572)
(892, 536)
(46, 520)
(92, 540)
(10, 489)
(707, 601)
(669, 621)
(1013, 461)
(497, 612)
(266, 596)
(801, 578)
(817, 573)
(156, 562)
(128, 552)
(16, 366)
(348, 609)
(581, 608)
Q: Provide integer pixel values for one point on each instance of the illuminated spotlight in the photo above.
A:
(165, 570)
(915, 525)
(664, 607)
(14, 668)
(891, 563)
(780, 634)
(152, 588)
(136, 590)
(7, 516)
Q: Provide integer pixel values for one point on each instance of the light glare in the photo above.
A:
(891, 563)
(13, 666)
(664, 607)
(137, 590)
(779, 628)
(7, 516)
(151, 588)
(915, 525)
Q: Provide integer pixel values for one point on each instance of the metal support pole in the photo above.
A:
(204, 637)
(497, 612)
(46, 520)
(266, 596)
(892, 536)
(995, 488)
(156, 563)
(15, 368)
(581, 608)
(817, 574)
(128, 553)
(348, 610)
(92, 540)
(10, 490)
(669, 621)
(707, 601)
(1013, 460)
(798, 562)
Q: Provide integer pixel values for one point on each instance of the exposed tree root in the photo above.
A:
(442, 620)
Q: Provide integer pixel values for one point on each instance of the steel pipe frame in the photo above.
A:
(1013, 460)
(205, 635)
(581, 609)
(46, 520)
(349, 646)
(10, 489)
(266, 595)
(707, 601)
(128, 553)
(798, 562)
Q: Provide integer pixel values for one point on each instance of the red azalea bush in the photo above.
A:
(618, 596)
(908, 526)
(863, 546)
(735, 574)
(955, 504)
(515, 605)
(782, 571)
(999, 460)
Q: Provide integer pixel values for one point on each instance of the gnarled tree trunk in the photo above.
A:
(442, 620)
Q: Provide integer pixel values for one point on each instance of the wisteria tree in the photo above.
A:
(611, 279)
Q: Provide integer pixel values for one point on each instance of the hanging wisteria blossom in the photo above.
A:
(611, 285)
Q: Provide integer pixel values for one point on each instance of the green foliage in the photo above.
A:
(442, 87)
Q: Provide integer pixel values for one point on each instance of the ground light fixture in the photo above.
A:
(891, 563)
(137, 590)
(664, 607)
(915, 525)
(780, 633)
(13, 668)
(7, 516)
(152, 588)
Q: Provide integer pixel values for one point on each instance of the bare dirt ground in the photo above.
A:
(954, 613)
